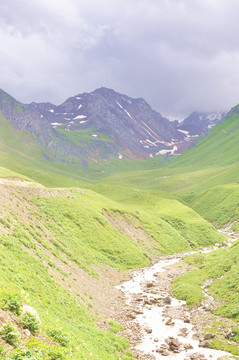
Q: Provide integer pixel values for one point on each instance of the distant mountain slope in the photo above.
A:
(200, 123)
(27, 125)
(212, 161)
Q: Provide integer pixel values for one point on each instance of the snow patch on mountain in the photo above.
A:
(80, 117)
(184, 131)
(119, 105)
(169, 152)
(128, 114)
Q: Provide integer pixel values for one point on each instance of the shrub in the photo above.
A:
(10, 334)
(3, 351)
(56, 355)
(25, 354)
(30, 322)
(11, 302)
(59, 337)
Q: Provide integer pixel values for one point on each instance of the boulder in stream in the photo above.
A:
(167, 300)
(173, 344)
(169, 321)
(186, 319)
(148, 330)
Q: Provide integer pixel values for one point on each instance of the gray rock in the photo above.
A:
(205, 344)
(168, 321)
(131, 316)
(27, 332)
(173, 344)
(209, 336)
(186, 319)
(138, 312)
(228, 333)
(167, 300)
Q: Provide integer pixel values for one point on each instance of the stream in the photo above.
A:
(165, 323)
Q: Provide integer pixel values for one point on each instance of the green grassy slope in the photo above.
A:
(219, 265)
(161, 206)
(33, 260)
(220, 205)
(57, 309)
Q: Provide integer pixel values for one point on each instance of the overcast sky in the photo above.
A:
(180, 55)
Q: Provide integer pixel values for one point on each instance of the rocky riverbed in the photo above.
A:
(158, 324)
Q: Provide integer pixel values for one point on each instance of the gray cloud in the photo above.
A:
(180, 55)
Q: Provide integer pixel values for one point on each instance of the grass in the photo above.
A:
(220, 205)
(82, 229)
(55, 306)
(213, 161)
(220, 265)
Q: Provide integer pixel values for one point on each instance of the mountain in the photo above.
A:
(97, 126)
(129, 126)
(198, 123)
